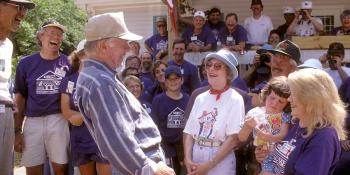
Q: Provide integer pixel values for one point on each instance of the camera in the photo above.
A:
(331, 63)
(301, 12)
(264, 58)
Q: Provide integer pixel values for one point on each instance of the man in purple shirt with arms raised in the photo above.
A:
(124, 132)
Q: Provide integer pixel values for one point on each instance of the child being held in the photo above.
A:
(270, 123)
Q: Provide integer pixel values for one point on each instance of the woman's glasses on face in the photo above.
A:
(216, 66)
(159, 71)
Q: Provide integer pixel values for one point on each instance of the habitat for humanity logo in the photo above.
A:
(48, 83)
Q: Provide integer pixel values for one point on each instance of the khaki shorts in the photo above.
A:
(45, 136)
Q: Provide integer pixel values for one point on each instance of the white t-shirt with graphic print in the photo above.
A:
(215, 120)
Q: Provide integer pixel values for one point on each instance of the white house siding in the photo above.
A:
(138, 13)
(272, 8)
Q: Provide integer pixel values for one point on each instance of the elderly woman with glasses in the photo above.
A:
(215, 119)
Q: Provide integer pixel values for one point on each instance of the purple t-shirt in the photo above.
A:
(168, 114)
(38, 81)
(147, 75)
(203, 39)
(190, 76)
(157, 43)
(80, 138)
(234, 38)
(215, 29)
(316, 154)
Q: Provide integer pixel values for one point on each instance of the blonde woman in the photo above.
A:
(312, 144)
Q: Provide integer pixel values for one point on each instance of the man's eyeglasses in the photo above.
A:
(216, 66)
(19, 7)
(161, 25)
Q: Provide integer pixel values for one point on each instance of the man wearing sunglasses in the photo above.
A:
(12, 12)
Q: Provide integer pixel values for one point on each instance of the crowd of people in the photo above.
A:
(109, 108)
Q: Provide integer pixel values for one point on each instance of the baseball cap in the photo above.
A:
(306, 5)
(200, 14)
(108, 25)
(256, 2)
(264, 49)
(288, 48)
(81, 45)
(26, 3)
(54, 23)
(336, 48)
(227, 58)
(311, 63)
(288, 9)
(173, 70)
(160, 19)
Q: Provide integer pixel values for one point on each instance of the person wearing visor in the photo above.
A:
(38, 77)
(123, 130)
(12, 12)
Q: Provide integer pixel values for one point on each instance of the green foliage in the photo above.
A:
(64, 11)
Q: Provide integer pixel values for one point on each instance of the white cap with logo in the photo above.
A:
(288, 9)
(306, 5)
(108, 25)
(200, 14)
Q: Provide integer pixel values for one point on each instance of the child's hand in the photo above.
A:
(251, 122)
(262, 134)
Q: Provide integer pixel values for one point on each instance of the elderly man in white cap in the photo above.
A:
(124, 132)
(12, 12)
(307, 25)
(197, 37)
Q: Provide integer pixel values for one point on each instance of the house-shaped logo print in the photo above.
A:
(176, 118)
(48, 83)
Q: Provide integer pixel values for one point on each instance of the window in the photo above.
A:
(328, 23)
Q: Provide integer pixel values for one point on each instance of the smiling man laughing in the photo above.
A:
(38, 77)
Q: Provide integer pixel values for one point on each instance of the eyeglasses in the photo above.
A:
(159, 71)
(216, 66)
(161, 25)
(19, 7)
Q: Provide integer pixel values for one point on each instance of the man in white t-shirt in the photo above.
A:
(12, 12)
(258, 26)
(307, 25)
(335, 57)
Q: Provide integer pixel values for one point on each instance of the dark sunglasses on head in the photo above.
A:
(216, 66)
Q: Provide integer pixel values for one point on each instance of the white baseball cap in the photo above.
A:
(306, 5)
(200, 14)
(108, 25)
(288, 9)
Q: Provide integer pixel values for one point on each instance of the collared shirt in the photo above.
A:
(6, 48)
(121, 127)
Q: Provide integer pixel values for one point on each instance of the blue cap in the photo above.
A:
(173, 70)
(264, 49)
(227, 58)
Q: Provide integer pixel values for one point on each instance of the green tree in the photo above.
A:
(64, 11)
